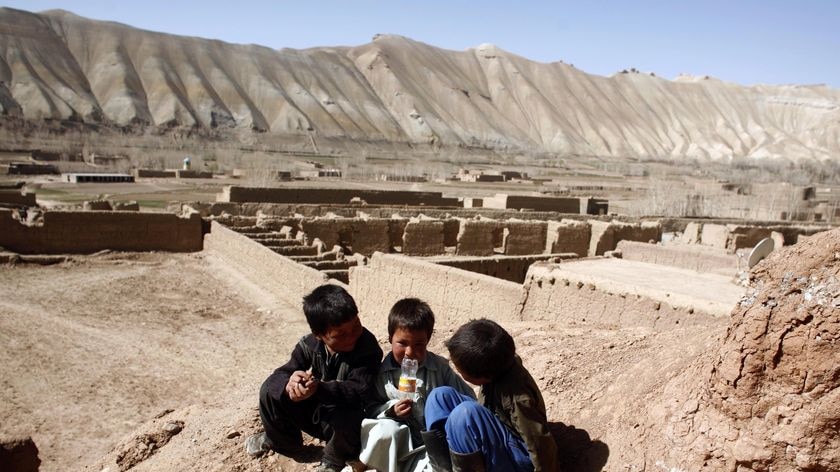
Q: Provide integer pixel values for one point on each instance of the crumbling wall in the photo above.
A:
(262, 266)
(568, 236)
(475, 238)
(423, 238)
(455, 295)
(715, 236)
(746, 236)
(510, 268)
(370, 235)
(606, 235)
(572, 300)
(85, 232)
(524, 237)
(699, 258)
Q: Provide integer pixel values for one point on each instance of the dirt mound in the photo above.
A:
(769, 399)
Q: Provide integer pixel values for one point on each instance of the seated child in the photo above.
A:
(324, 387)
(507, 428)
(390, 439)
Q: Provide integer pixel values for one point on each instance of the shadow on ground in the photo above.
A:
(577, 451)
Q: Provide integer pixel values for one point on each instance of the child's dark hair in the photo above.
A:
(481, 348)
(328, 305)
(412, 314)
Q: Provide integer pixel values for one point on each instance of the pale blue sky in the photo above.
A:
(748, 42)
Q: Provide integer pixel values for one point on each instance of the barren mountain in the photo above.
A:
(58, 66)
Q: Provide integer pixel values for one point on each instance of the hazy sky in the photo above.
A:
(748, 41)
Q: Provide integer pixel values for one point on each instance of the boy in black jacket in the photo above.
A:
(323, 387)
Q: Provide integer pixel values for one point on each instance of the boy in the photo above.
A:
(507, 429)
(323, 388)
(390, 439)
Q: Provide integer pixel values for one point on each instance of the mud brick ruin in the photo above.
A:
(605, 272)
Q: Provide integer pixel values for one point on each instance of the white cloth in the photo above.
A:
(388, 447)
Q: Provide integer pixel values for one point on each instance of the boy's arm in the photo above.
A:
(280, 377)
(357, 389)
(531, 423)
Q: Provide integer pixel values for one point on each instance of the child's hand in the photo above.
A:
(403, 407)
(301, 386)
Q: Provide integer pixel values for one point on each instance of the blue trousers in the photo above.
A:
(471, 427)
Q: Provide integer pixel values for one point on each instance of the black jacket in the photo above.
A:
(348, 380)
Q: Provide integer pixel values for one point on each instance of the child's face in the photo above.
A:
(343, 337)
(411, 344)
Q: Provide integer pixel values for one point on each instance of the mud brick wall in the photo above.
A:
(691, 234)
(262, 266)
(556, 296)
(510, 268)
(193, 174)
(746, 236)
(423, 238)
(606, 235)
(85, 232)
(455, 295)
(370, 235)
(524, 237)
(475, 238)
(568, 236)
(15, 197)
(715, 236)
(699, 258)
(328, 230)
(151, 173)
(558, 204)
(330, 195)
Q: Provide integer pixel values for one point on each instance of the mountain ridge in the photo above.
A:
(56, 65)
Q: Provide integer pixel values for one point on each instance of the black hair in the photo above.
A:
(481, 348)
(328, 305)
(412, 314)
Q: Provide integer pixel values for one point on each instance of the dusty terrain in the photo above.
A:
(94, 348)
(153, 362)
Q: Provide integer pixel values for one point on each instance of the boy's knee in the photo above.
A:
(463, 416)
(445, 395)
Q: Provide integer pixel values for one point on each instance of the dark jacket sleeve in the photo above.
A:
(358, 388)
(280, 377)
(530, 422)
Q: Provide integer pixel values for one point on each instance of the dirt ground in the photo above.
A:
(91, 349)
(94, 349)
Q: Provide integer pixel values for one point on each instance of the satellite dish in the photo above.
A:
(760, 251)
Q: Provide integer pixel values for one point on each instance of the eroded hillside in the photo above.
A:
(55, 65)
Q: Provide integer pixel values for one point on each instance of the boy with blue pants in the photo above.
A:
(507, 428)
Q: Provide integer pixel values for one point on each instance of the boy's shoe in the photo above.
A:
(257, 444)
(327, 467)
